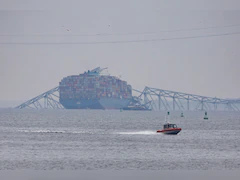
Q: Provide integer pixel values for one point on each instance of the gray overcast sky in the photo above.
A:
(205, 66)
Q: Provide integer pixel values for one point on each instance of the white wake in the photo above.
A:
(138, 133)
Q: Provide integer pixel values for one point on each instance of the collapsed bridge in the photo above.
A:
(153, 98)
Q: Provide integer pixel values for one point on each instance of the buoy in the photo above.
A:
(182, 114)
(121, 110)
(167, 117)
(205, 116)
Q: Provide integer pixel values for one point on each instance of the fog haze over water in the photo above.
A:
(114, 140)
(187, 46)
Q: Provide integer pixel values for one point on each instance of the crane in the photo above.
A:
(96, 71)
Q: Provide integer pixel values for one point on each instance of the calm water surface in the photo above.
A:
(114, 140)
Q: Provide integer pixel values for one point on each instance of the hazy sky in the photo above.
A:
(36, 50)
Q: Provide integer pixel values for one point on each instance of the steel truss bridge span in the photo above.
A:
(156, 99)
(177, 101)
(46, 100)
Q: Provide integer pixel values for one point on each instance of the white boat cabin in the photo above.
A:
(168, 125)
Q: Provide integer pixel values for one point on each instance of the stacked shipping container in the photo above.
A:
(85, 86)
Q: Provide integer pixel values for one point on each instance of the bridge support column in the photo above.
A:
(159, 102)
(145, 98)
(173, 103)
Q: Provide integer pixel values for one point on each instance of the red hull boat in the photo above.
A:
(169, 129)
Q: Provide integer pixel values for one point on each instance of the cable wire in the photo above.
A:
(121, 34)
(125, 41)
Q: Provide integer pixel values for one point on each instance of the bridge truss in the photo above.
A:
(156, 99)
(170, 100)
(46, 100)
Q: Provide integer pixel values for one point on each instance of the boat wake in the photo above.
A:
(85, 131)
(41, 131)
(60, 131)
(138, 133)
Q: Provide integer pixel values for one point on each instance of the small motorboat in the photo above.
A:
(169, 128)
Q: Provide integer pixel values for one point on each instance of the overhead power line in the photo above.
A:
(120, 34)
(125, 41)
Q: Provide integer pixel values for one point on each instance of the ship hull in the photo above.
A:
(172, 131)
(135, 109)
(102, 103)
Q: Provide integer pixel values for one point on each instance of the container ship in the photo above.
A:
(91, 90)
